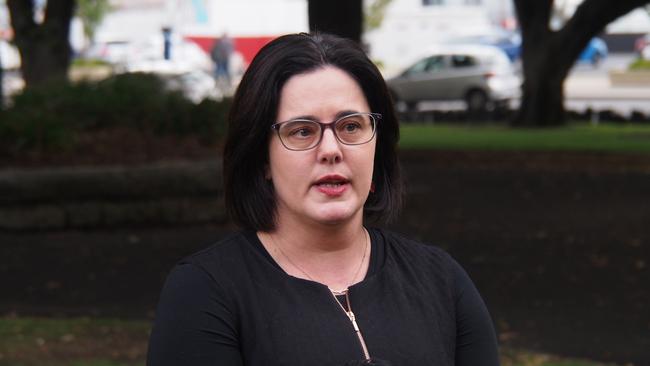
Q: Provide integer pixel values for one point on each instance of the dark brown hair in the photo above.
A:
(250, 197)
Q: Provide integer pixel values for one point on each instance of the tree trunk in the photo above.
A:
(44, 48)
(2, 96)
(547, 56)
(542, 101)
(340, 17)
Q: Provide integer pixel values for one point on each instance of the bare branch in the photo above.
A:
(591, 17)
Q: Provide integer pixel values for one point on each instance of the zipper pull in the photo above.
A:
(353, 320)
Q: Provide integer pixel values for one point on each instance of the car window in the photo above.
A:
(463, 61)
(418, 68)
(435, 63)
(429, 64)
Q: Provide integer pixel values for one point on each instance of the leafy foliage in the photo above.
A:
(92, 13)
(640, 64)
(374, 14)
(53, 116)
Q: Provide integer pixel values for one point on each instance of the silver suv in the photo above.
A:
(481, 76)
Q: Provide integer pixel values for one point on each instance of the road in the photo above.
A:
(589, 87)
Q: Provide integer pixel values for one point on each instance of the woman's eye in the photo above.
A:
(350, 127)
(301, 132)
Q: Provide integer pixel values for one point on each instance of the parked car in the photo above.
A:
(481, 76)
(113, 52)
(595, 52)
(196, 85)
(185, 56)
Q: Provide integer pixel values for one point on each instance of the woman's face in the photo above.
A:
(328, 184)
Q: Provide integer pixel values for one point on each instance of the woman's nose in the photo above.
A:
(329, 149)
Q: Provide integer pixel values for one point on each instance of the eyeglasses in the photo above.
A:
(304, 134)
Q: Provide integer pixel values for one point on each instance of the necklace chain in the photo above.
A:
(343, 292)
(335, 292)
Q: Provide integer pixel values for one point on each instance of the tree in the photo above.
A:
(2, 97)
(548, 55)
(44, 47)
(91, 13)
(340, 17)
(375, 14)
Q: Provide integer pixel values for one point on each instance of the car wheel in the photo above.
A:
(397, 102)
(476, 101)
(402, 105)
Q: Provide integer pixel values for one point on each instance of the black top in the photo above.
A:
(231, 304)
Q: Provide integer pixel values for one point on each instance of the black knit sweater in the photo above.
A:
(231, 304)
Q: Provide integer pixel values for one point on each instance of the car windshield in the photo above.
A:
(429, 64)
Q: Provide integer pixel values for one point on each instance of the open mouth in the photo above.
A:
(332, 185)
(331, 181)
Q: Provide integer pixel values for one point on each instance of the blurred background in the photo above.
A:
(525, 141)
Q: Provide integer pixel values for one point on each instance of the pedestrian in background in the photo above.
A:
(220, 53)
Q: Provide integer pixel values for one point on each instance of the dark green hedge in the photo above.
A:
(51, 117)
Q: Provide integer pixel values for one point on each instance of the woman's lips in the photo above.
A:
(332, 186)
(332, 189)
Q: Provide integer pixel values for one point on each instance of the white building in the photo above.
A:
(250, 22)
(139, 18)
(636, 21)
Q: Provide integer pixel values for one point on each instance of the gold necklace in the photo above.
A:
(344, 292)
(334, 292)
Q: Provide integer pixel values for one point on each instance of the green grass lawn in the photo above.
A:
(604, 137)
(72, 342)
(114, 342)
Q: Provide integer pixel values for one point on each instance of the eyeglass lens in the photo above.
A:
(355, 129)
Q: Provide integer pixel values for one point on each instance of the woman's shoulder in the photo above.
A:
(224, 256)
(402, 244)
(228, 245)
(416, 256)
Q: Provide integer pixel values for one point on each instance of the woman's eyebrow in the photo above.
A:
(345, 113)
(306, 116)
(310, 117)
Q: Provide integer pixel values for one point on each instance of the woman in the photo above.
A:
(310, 153)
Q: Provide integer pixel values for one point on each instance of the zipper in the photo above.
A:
(353, 320)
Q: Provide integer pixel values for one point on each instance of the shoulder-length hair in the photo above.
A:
(249, 195)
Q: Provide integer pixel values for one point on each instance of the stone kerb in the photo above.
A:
(92, 197)
(635, 78)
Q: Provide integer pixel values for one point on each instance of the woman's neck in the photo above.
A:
(334, 255)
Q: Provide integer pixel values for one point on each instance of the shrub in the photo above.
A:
(89, 62)
(640, 64)
(53, 116)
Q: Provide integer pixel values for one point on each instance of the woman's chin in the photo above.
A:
(336, 215)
